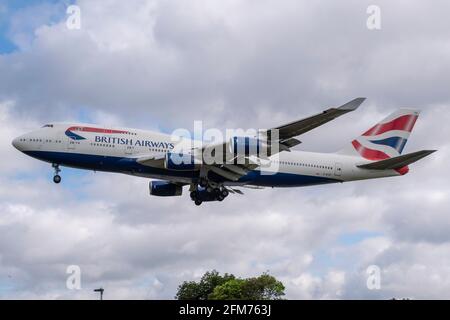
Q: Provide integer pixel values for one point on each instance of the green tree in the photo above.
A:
(264, 287)
(213, 286)
(230, 290)
(191, 290)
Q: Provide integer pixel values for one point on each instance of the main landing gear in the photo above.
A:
(202, 182)
(56, 177)
(208, 193)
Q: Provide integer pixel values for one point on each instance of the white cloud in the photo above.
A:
(165, 63)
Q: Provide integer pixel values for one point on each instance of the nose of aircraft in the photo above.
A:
(16, 143)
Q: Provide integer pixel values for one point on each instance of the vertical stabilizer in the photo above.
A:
(386, 139)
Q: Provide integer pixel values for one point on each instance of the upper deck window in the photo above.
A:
(48, 126)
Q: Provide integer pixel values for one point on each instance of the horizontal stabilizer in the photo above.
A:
(397, 162)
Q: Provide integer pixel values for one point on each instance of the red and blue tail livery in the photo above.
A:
(387, 138)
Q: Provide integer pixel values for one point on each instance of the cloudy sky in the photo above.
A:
(161, 65)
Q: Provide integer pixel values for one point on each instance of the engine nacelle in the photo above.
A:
(180, 162)
(248, 146)
(165, 189)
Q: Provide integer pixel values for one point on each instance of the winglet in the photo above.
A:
(352, 105)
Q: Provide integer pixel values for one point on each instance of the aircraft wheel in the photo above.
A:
(57, 179)
(198, 202)
(224, 193)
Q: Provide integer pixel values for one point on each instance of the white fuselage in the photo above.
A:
(98, 148)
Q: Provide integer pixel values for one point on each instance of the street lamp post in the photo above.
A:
(101, 292)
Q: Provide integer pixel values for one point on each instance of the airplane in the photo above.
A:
(376, 153)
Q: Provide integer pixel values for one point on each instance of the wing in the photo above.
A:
(286, 133)
(233, 170)
(299, 127)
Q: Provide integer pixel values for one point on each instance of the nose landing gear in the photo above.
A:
(56, 178)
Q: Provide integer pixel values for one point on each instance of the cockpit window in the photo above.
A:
(48, 126)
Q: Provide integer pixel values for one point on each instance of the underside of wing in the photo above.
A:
(152, 161)
(233, 171)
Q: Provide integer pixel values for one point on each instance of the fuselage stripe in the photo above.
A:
(96, 130)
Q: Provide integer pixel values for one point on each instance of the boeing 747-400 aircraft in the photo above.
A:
(376, 153)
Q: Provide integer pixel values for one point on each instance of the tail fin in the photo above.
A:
(386, 139)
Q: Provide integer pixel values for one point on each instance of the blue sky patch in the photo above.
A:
(46, 12)
(349, 239)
